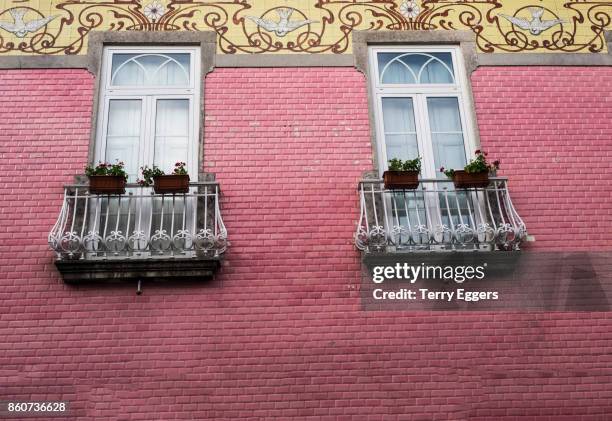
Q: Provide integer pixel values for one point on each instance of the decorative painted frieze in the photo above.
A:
(309, 26)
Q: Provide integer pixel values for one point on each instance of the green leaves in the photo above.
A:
(408, 165)
(106, 168)
(480, 164)
(148, 174)
(476, 165)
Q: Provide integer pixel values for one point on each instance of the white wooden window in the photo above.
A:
(148, 108)
(421, 107)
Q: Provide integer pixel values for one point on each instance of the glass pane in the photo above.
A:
(150, 69)
(438, 69)
(123, 134)
(400, 129)
(446, 133)
(458, 208)
(171, 133)
(415, 68)
(408, 211)
(171, 146)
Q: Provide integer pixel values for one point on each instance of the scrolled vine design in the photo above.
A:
(70, 242)
(37, 42)
(421, 236)
(204, 16)
(398, 233)
(137, 242)
(361, 238)
(160, 242)
(93, 242)
(485, 233)
(598, 16)
(115, 242)
(464, 234)
(369, 15)
(377, 238)
(221, 242)
(442, 234)
(182, 240)
(582, 28)
(206, 242)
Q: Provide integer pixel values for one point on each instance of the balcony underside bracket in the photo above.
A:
(151, 270)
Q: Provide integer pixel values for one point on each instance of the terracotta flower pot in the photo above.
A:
(408, 180)
(106, 184)
(465, 180)
(171, 184)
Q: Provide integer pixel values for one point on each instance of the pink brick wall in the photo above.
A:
(552, 130)
(280, 333)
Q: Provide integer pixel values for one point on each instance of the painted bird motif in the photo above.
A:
(21, 28)
(536, 25)
(284, 25)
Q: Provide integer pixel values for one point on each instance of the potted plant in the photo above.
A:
(106, 178)
(474, 174)
(402, 174)
(177, 182)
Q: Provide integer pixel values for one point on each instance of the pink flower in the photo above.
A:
(477, 151)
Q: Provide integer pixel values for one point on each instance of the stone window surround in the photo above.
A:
(98, 40)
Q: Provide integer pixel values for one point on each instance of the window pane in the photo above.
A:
(123, 134)
(150, 69)
(446, 133)
(400, 129)
(171, 132)
(415, 68)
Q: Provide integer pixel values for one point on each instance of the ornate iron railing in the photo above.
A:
(139, 224)
(436, 216)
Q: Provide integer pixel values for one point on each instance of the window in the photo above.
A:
(149, 114)
(148, 108)
(421, 107)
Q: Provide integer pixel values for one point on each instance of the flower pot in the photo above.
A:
(408, 180)
(466, 180)
(171, 184)
(106, 184)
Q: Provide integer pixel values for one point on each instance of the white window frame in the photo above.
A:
(419, 94)
(149, 95)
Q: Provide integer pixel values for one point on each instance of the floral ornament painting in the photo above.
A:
(410, 9)
(154, 11)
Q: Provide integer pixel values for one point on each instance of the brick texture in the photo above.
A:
(551, 129)
(280, 333)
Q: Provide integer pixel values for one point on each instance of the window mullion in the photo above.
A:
(193, 142)
(380, 132)
(148, 132)
(468, 138)
(424, 136)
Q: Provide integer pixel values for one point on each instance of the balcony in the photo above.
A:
(139, 235)
(437, 217)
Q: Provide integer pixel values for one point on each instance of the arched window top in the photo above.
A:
(416, 68)
(150, 69)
